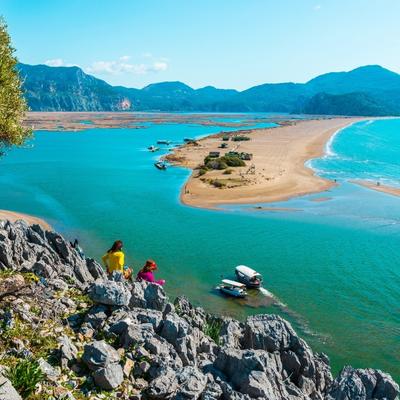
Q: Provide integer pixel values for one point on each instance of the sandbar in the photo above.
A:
(277, 171)
(14, 216)
(394, 191)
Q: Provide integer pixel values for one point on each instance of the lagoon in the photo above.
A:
(334, 266)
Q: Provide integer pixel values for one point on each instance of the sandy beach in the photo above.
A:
(276, 172)
(31, 220)
(394, 191)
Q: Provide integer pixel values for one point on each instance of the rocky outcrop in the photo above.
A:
(127, 338)
(46, 254)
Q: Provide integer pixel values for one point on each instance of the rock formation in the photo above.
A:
(127, 338)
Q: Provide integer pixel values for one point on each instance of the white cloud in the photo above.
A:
(56, 62)
(317, 7)
(122, 65)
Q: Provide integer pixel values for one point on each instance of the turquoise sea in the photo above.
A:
(333, 266)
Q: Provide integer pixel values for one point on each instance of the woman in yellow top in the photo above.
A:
(114, 258)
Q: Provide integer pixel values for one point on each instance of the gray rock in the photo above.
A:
(99, 354)
(155, 297)
(164, 385)
(68, 351)
(50, 372)
(268, 332)
(109, 293)
(362, 384)
(47, 254)
(192, 383)
(96, 316)
(95, 269)
(7, 391)
(110, 377)
(196, 316)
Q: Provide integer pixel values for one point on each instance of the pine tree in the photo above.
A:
(12, 102)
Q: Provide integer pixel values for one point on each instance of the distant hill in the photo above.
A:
(369, 90)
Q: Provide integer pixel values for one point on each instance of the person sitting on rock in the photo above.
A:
(146, 273)
(114, 260)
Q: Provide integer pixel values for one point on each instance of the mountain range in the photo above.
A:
(368, 90)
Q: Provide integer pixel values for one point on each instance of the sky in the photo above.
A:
(224, 43)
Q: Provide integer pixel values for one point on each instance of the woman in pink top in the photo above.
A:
(146, 273)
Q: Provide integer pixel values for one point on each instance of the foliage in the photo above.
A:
(212, 328)
(24, 376)
(12, 103)
(240, 138)
(228, 171)
(233, 161)
(202, 171)
(224, 162)
(217, 183)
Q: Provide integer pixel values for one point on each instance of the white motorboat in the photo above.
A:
(232, 288)
(153, 148)
(246, 275)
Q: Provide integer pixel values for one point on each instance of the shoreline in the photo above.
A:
(278, 168)
(14, 216)
(391, 190)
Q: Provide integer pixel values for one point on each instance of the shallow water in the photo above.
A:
(333, 266)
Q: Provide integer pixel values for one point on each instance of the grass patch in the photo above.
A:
(212, 328)
(24, 376)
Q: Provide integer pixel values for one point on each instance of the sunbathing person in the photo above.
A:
(146, 273)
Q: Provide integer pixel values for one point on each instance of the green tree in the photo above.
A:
(12, 102)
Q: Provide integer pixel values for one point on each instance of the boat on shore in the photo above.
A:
(232, 288)
(248, 276)
(153, 148)
(161, 165)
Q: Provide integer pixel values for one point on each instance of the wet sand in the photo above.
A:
(394, 191)
(277, 171)
(31, 220)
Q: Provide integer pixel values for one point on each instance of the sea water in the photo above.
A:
(332, 267)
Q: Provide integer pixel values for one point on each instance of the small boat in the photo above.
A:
(188, 140)
(153, 148)
(246, 275)
(167, 142)
(232, 288)
(160, 165)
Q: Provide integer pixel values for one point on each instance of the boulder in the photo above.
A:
(192, 383)
(99, 354)
(48, 254)
(51, 373)
(268, 332)
(155, 297)
(109, 377)
(164, 385)
(68, 351)
(362, 384)
(109, 293)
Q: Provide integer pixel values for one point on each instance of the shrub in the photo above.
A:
(240, 138)
(202, 171)
(217, 163)
(212, 328)
(228, 171)
(232, 161)
(24, 376)
(217, 183)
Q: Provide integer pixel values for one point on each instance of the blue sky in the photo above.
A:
(224, 43)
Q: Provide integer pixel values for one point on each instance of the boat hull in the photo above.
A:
(232, 293)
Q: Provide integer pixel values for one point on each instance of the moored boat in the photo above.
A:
(248, 276)
(232, 288)
(167, 142)
(153, 148)
(160, 165)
